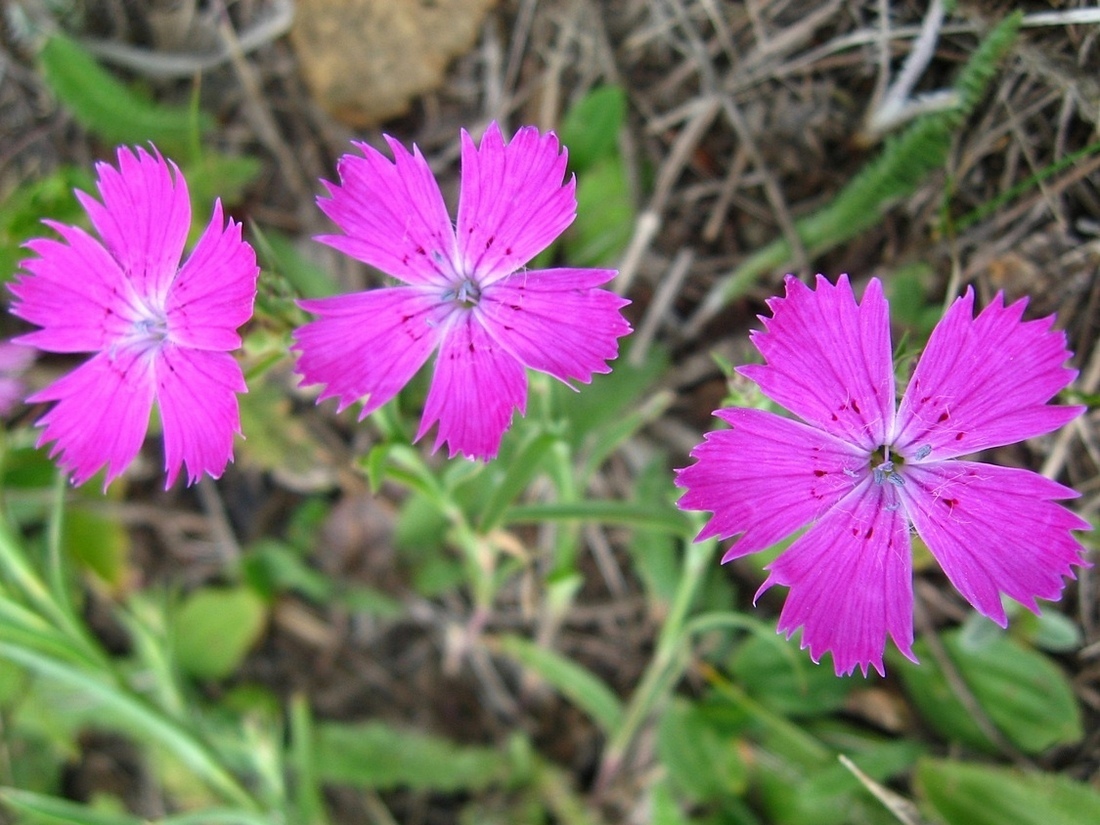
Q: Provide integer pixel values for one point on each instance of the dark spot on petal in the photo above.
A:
(820, 473)
(855, 406)
(508, 251)
(950, 502)
(833, 416)
(943, 417)
(855, 531)
(472, 349)
(489, 242)
(516, 307)
(421, 250)
(870, 532)
(959, 436)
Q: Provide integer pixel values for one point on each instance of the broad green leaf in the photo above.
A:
(590, 129)
(705, 763)
(605, 216)
(51, 810)
(582, 687)
(375, 755)
(1021, 690)
(106, 107)
(100, 543)
(214, 628)
(969, 794)
(792, 686)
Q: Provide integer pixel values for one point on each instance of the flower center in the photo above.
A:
(466, 294)
(885, 469)
(150, 330)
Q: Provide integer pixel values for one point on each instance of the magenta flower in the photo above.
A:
(463, 289)
(859, 473)
(158, 330)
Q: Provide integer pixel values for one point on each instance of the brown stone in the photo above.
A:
(365, 60)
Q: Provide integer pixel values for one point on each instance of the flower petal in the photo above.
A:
(512, 204)
(851, 582)
(213, 293)
(766, 477)
(392, 215)
(556, 321)
(828, 360)
(196, 392)
(144, 218)
(995, 530)
(984, 382)
(475, 389)
(75, 291)
(101, 415)
(368, 343)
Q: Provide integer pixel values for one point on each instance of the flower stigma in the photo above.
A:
(465, 294)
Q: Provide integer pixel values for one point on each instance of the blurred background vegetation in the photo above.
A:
(345, 629)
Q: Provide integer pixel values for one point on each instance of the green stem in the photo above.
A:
(667, 664)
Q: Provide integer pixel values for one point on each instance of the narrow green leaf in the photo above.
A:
(521, 469)
(214, 629)
(620, 513)
(51, 810)
(139, 717)
(375, 755)
(582, 687)
(968, 794)
(103, 105)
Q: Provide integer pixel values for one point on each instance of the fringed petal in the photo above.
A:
(512, 203)
(214, 291)
(144, 218)
(851, 582)
(828, 359)
(368, 344)
(75, 291)
(766, 477)
(984, 382)
(995, 530)
(196, 392)
(476, 387)
(101, 415)
(392, 215)
(556, 321)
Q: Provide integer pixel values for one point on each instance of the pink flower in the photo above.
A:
(860, 473)
(463, 289)
(158, 330)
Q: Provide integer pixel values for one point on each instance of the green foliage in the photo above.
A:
(214, 628)
(590, 129)
(111, 110)
(583, 688)
(22, 211)
(701, 761)
(1021, 690)
(969, 794)
(605, 205)
(100, 543)
(375, 755)
(793, 687)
